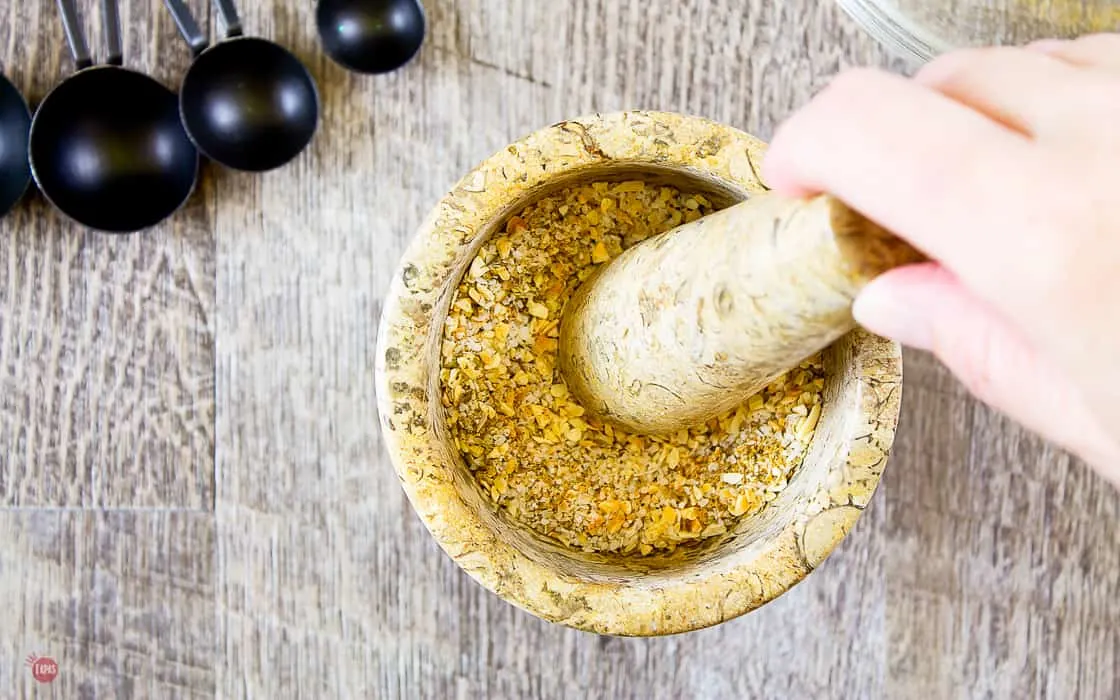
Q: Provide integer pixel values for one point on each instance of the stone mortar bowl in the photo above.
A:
(765, 554)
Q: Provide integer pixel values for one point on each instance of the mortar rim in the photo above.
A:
(657, 139)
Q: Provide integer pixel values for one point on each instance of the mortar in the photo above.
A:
(696, 586)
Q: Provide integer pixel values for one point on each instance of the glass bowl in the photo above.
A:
(922, 29)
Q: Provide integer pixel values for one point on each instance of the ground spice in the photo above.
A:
(529, 443)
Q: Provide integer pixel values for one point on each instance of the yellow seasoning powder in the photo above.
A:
(529, 443)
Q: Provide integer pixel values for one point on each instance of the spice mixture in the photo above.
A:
(529, 443)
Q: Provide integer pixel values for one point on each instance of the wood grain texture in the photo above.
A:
(106, 349)
(124, 602)
(240, 338)
(1004, 556)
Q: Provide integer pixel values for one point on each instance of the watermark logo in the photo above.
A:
(43, 668)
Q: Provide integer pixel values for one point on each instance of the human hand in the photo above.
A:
(1003, 166)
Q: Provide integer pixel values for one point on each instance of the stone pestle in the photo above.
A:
(690, 323)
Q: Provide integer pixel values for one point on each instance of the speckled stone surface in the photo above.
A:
(685, 325)
(691, 588)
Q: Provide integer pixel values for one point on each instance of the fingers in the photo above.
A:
(1100, 51)
(1028, 91)
(926, 307)
(914, 161)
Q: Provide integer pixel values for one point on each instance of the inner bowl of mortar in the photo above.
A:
(695, 586)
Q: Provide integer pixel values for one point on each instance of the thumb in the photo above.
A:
(926, 307)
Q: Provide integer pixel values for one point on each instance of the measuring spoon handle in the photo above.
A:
(75, 37)
(228, 12)
(188, 27)
(111, 19)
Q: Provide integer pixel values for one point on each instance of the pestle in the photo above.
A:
(690, 323)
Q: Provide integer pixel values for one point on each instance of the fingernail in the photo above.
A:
(881, 310)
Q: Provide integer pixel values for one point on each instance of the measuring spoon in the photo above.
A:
(247, 103)
(107, 147)
(15, 123)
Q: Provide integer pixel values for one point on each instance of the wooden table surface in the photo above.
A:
(194, 497)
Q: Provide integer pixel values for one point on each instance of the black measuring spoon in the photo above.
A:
(15, 125)
(107, 147)
(247, 103)
(371, 36)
